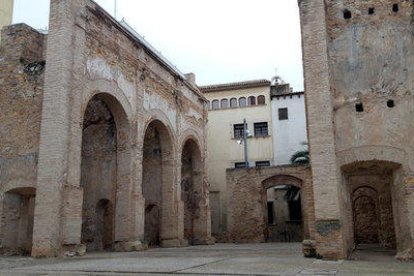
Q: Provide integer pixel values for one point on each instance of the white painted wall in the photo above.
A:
(224, 151)
(288, 135)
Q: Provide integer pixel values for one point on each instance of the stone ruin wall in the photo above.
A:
(358, 58)
(89, 54)
(247, 201)
(22, 56)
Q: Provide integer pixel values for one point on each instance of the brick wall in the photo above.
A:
(91, 56)
(358, 84)
(247, 201)
(21, 95)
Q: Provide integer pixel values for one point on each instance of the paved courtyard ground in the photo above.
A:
(220, 259)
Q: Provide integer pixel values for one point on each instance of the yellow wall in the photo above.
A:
(223, 149)
(6, 12)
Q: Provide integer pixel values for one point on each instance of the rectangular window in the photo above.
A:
(238, 131)
(283, 114)
(260, 164)
(240, 165)
(261, 129)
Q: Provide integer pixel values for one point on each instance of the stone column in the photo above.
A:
(54, 166)
(319, 108)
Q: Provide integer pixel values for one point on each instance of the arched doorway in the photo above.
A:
(283, 209)
(157, 181)
(366, 217)
(18, 217)
(371, 222)
(191, 184)
(104, 168)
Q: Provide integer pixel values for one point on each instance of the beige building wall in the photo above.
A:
(224, 150)
(6, 12)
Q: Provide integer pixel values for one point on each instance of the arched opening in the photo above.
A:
(366, 219)
(104, 170)
(224, 103)
(371, 222)
(283, 209)
(242, 102)
(17, 222)
(191, 184)
(157, 181)
(233, 103)
(215, 104)
(261, 100)
(252, 100)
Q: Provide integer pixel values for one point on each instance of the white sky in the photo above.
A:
(219, 40)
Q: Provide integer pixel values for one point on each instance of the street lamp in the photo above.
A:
(246, 133)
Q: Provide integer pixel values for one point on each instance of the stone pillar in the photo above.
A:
(319, 108)
(54, 168)
(169, 220)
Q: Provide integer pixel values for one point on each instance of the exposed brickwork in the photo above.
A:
(357, 58)
(247, 201)
(21, 95)
(102, 90)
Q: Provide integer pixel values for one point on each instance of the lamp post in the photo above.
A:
(246, 161)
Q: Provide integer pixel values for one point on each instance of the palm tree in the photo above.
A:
(292, 194)
(300, 157)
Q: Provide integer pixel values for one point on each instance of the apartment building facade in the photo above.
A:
(229, 105)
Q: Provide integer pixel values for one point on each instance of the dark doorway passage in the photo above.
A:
(157, 180)
(284, 214)
(98, 175)
(191, 182)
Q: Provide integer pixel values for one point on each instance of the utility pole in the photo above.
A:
(246, 161)
(115, 9)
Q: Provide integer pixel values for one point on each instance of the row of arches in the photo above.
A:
(103, 189)
(106, 181)
(234, 102)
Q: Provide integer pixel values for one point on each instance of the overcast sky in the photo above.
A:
(219, 40)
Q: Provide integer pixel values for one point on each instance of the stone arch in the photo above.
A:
(159, 115)
(365, 215)
(17, 220)
(111, 90)
(372, 194)
(192, 189)
(284, 208)
(395, 156)
(105, 169)
(282, 180)
(158, 178)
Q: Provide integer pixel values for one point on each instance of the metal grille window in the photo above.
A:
(238, 130)
(260, 164)
(261, 129)
(240, 165)
(283, 114)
